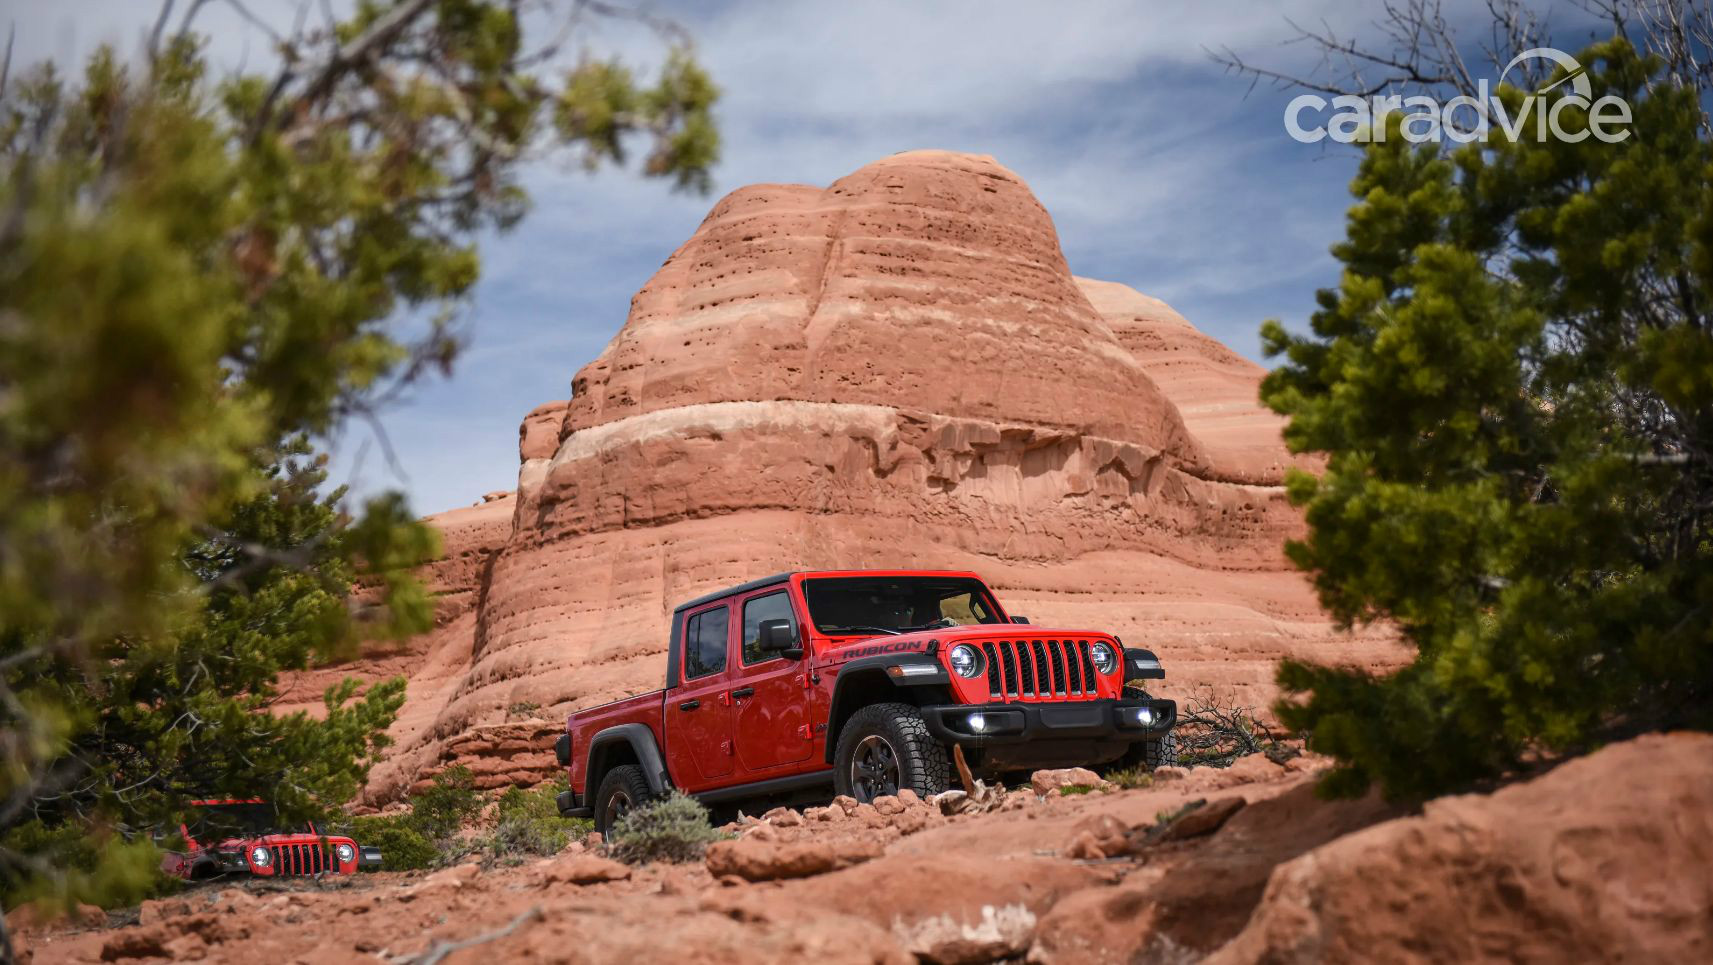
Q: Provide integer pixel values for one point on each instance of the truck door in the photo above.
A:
(699, 709)
(769, 690)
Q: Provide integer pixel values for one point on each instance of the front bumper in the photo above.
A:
(368, 858)
(1019, 722)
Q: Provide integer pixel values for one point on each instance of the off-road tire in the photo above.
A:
(1150, 754)
(626, 780)
(923, 763)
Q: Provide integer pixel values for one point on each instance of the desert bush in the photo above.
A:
(426, 835)
(449, 803)
(403, 845)
(1131, 777)
(673, 828)
(529, 823)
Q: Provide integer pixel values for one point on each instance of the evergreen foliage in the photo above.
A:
(1513, 384)
(201, 277)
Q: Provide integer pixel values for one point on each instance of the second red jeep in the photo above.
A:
(245, 837)
(859, 683)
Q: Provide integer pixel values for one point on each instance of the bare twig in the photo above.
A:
(1216, 731)
(444, 948)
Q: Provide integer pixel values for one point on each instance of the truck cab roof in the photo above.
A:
(786, 577)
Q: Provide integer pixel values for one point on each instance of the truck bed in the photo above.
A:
(644, 708)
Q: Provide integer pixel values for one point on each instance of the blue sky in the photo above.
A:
(1161, 170)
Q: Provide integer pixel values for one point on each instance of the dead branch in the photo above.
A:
(444, 948)
(1216, 730)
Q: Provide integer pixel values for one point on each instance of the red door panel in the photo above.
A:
(770, 692)
(699, 712)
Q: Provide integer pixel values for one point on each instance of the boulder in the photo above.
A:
(1046, 781)
(584, 869)
(1203, 819)
(1000, 933)
(1602, 859)
(756, 860)
(1098, 836)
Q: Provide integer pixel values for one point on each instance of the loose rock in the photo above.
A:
(1046, 781)
(754, 860)
(1202, 820)
(585, 869)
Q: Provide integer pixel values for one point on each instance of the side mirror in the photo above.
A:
(1019, 619)
(778, 636)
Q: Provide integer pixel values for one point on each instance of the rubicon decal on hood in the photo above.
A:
(877, 649)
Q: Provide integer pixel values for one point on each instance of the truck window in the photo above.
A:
(705, 643)
(774, 606)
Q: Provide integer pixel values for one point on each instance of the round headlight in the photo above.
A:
(260, 857)
(1104, 659)
(965, 660)
(345, 852)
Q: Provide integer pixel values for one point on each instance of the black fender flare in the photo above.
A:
(870, 670)
(1141, 664)
(642, 744)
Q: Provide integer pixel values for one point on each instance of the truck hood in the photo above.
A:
(281, 840)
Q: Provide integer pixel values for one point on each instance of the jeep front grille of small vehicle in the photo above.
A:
(302, 859)
(1039, 669)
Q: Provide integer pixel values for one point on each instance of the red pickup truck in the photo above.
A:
(245, 837)
(859, 682)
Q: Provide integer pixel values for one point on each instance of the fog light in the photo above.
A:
(1145, 716)
(978, 723)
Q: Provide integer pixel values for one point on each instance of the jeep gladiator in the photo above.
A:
(859, 682)
(244, 837)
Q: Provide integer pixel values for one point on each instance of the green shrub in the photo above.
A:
(673, 828)
(529, 823)
(446, 805)
(1130, 777)
(403, 845)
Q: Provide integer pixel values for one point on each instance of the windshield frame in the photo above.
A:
(979, 591)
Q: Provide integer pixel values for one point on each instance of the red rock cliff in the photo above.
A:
(896, 370)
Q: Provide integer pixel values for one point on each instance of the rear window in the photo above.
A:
(705, 642)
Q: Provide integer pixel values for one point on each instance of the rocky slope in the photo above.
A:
(1601, 860)
(896, 370)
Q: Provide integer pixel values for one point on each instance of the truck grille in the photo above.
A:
(302, 859)
(1039, 669)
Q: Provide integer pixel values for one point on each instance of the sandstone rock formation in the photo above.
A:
(1606, 858)
(896, 370)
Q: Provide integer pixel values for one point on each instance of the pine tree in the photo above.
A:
(198, 276)
(1513, 383)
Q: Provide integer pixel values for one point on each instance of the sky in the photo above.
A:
(1161, 170)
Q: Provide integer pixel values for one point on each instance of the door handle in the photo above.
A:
(743, 692)
(690, 705)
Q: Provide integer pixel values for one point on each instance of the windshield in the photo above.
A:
(896, 604)
(210, 821)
